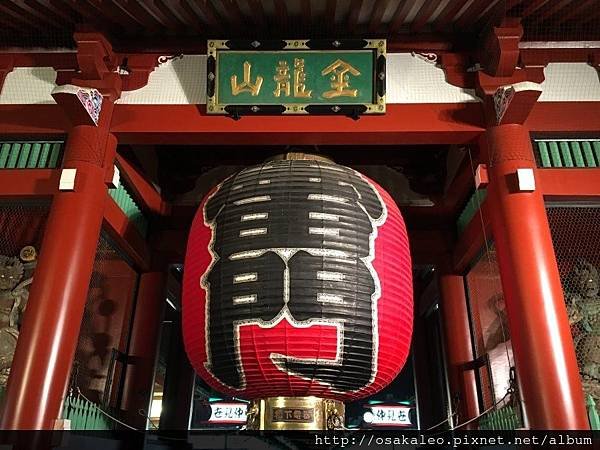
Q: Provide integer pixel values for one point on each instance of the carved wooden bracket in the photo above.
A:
(507, 87)
(102, 68)
(499, 53)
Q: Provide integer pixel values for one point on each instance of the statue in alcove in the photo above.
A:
(16, 275)
(583, 306)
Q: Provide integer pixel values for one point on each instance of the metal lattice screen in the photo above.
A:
(105, 328)
(489, 327)
(575, 230)
(21, 224)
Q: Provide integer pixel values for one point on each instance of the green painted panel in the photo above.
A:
(589, 155)
(596, 145)
(14, 156)
(577, 154)
(4, 152)
(30, 155)
(54, 154)
(328, 77)
(129, 208)
(555, 154)
(44, 155)
(592, 413)
(470, 209)
(34, 156)
(23, 156)
(565, 152)
(544, 154)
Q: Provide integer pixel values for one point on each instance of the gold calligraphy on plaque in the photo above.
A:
(246, 85)
(300, 79)
(340, 79)
(282, 79)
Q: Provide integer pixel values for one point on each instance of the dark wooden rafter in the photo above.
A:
(187, 14)
(475, 12)
(13, 16)
(377, 14)
(306, 10)
(592, 16)
(354, 13)
(141, 15)
(236, 15)
(37, 12)
(173, 9)
(162, 13)
(510, 4)
(120, 16)
(88, 13)
(584, 8)
(210, 13)
(281, 12)
(447, 15)
(5, 22)
(329, 18)
(424, 14)
(400, 16)
(257, 12)
(549, 10)
(46, 7)
(531, 8)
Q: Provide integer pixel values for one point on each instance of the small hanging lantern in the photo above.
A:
(297, 291)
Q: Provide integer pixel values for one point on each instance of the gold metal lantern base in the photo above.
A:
(295, 413)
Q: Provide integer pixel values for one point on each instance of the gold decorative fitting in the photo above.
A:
(295, 413)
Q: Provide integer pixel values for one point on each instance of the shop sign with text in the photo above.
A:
(296, 77)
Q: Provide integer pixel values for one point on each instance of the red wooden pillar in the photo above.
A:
(541, 339)
(143, 348)
(42, 362)
(459, 350)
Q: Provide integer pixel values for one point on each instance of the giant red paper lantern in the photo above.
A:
(297, 282)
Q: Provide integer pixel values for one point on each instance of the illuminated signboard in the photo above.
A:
(390, 415)
(232, 413)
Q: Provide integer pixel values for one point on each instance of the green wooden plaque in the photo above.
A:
(296, 77)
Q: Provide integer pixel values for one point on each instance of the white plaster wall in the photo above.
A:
(28, 85)
(570, 82)
(409, 80)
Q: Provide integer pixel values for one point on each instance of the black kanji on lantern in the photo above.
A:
(294, 239)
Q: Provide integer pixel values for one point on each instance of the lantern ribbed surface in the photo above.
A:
(297, 282)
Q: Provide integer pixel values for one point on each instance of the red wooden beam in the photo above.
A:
(28, 182)
(189, 124)
(446, 123)
(126, 235)
(472, 239)
(569, 182)
(142, 188)
(564, 117)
